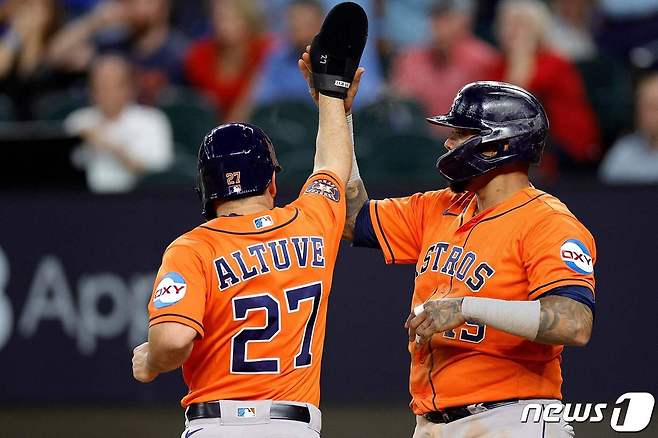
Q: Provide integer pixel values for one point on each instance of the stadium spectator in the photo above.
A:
(521, 27)
(28, 28)
(138, 29)
(122, 140)
(76, 8)
(569, 32)
(454, 57)
(191, 18)
(627, 24)
(227, 65)
(303, 21)
(633, 159)
(404, 22)
(629, 8)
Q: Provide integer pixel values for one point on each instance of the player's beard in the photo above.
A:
(459, 186)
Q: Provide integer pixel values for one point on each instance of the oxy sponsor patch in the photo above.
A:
(576, 256)
(170, 290)
(326, 188)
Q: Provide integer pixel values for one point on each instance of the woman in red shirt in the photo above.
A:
(225, 65)
(529, 63)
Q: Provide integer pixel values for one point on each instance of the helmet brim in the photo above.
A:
(452, 121)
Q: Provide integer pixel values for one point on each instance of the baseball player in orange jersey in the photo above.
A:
(504, 272)
(240, 302)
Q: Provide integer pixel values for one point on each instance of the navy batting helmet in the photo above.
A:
(506, 118)
(235, 160)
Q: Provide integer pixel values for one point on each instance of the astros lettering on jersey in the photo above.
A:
(526, 247)
(255, 288)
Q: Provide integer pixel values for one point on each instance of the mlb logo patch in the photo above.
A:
(263, 222)
(234, 189)
(246, 412)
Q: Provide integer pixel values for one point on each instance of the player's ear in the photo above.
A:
(272, 188)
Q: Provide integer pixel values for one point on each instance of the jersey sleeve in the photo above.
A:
(397, 223)
(322, 199)
(179, 294)
(558, 252)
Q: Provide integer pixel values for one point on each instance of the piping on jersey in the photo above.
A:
(451, 279)
(559, 281)
(381, 229)
(244, 233)
(179, 316)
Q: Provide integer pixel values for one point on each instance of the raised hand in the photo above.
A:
(304, 64)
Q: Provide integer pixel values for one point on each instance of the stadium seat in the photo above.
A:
(181, 174)
(292, 127)
(6, 109)
(609, 89)
(408, 158)
(191, 116)
(388, 117)
(58, 105)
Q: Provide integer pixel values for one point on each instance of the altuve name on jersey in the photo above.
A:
(263, 258)
(457, 264)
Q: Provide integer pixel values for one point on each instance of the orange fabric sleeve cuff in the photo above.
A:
(180, 319)
(533, 294)
(330, 174)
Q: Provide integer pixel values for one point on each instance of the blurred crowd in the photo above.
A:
(140, 81)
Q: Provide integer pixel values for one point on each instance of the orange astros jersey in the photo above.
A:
(528, 246)
(255, 288)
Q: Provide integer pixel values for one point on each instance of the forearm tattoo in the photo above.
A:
(564, 321)
(446, 313)
(356, 196)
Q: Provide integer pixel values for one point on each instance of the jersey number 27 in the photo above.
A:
(240, 364)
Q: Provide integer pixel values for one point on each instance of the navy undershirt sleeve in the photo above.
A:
(582, 294)
(364, 233)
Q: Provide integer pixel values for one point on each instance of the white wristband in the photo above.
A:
(350, 126)
(520, 318)
(355, 167)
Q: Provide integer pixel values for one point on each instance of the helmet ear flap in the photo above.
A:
(492, 151)
(454, 165)
(198, 188)
(206, 205)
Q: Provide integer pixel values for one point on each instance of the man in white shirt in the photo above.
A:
(122, 140)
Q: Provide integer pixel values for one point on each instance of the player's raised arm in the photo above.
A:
(330, 67)
(333, 147)
(355, 190)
